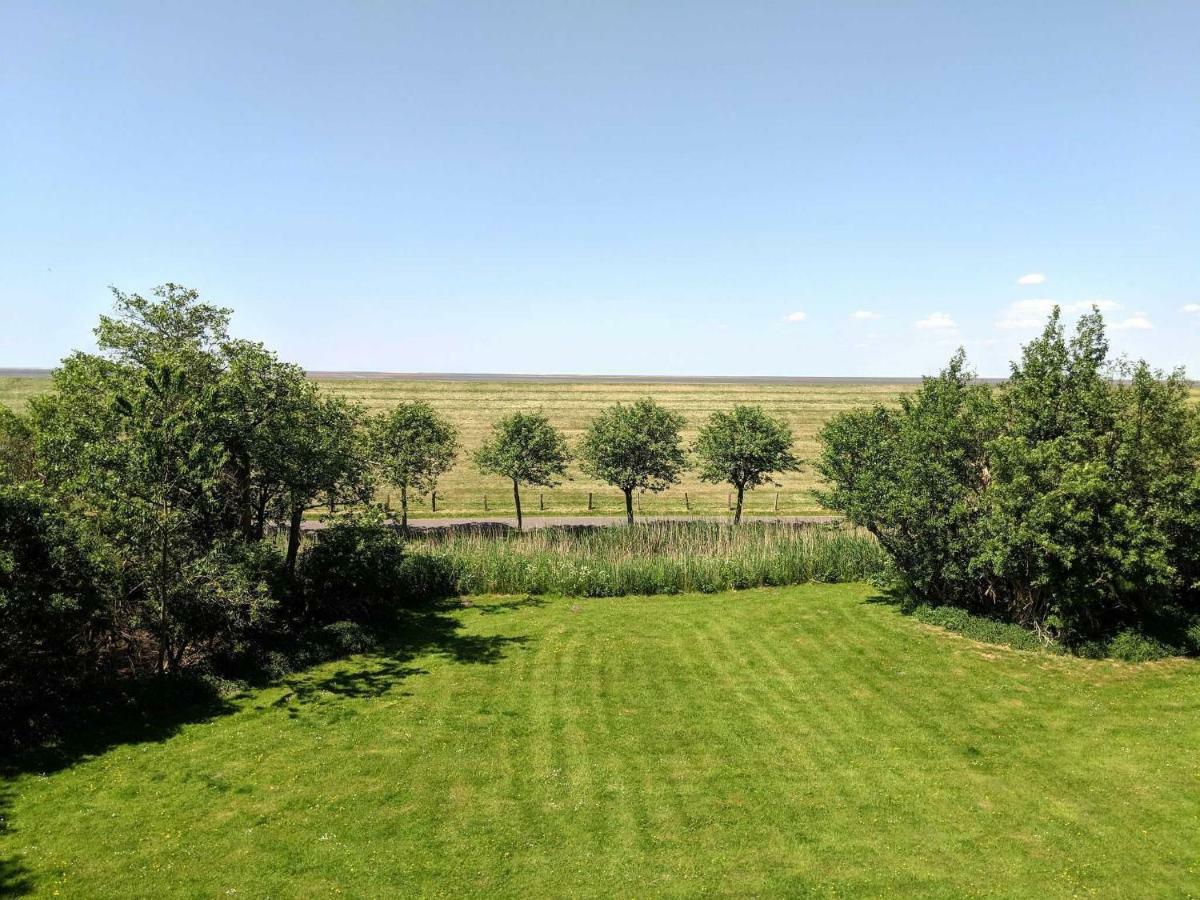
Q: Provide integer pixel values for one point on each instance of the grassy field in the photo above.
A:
(474, 406)
(15, 391)
(776, 742)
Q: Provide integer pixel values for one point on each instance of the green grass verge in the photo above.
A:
(770, 742)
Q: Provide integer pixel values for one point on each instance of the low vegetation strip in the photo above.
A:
(652, 558)
(779, 742)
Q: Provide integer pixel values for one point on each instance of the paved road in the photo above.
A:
(583, 521)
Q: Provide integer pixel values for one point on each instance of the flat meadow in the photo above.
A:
(807, 740)
(474, 405)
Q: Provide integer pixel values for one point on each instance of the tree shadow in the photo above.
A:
(495, 609)
(356, 684)
(899, 599)
(154, 709)
(133, 712)
(15, 878)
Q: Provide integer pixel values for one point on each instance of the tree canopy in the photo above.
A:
(526, 449)
(634, 447)
(744, 447)
(413, 447)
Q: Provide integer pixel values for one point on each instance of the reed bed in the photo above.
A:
(653, 558)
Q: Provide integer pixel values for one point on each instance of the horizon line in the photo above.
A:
(559, 378)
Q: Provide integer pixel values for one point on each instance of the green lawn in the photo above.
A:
(767, 742)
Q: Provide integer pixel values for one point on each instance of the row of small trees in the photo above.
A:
(635, 447)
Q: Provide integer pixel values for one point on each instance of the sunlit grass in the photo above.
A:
(781, 742)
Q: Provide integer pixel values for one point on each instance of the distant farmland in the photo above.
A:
(474, 404)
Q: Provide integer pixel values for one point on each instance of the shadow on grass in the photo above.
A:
(154, 709)
(494, 609)
(14, 877)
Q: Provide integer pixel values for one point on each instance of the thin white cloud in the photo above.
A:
(1138, 322)
(1032, 278)
(1032, 313)
(864, 315)
(937, 322)
(1190, 308)
(797, 316)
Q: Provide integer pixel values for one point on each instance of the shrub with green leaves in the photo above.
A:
(354, 572)
(51, 607)
(1064, 500)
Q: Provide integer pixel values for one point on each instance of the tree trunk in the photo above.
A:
(260, 518)
(517, 501)
(404, 507)
(164, 639)
(294, 540)
(737, 513)
(629, 505)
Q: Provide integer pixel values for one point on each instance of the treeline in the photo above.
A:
(1067, 500)
(135, 497)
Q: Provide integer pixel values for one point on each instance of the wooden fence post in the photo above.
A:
(777, 501)
(687, 504)
(541, 500)
(433, 501)
(485, 503)
(589, 501)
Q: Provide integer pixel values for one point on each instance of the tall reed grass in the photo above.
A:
(653, 558)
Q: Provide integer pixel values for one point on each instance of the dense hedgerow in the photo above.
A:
(1066, 500)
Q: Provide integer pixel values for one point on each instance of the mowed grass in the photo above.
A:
(773, 742)
(474, 406)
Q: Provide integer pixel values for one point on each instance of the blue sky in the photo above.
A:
(656, 188)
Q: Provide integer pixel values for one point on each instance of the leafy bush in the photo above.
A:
(1066, 501)
(355, 572)
(1131, 646)
(50, 607)
(424, 579)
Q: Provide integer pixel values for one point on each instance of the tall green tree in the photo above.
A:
(324, 459)
(290, 447)
(744, 448)
(132, 442)
(635, 447)
(526, 449)
(1054, 539)
(413, 447)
